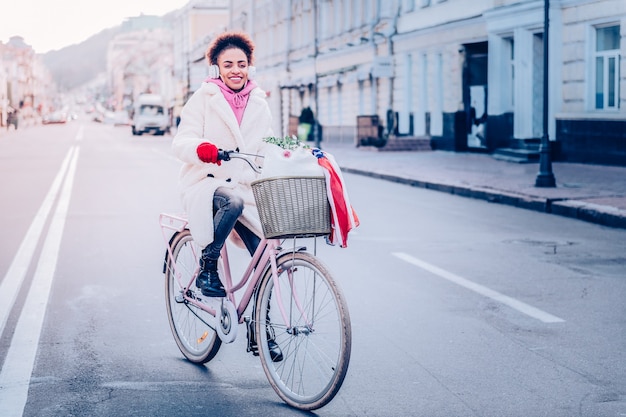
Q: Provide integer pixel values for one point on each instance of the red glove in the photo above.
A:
(207, 152)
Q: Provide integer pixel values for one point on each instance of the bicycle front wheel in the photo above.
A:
(316, 337)
(197, 341)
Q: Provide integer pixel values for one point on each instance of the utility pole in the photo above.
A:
(545, 177)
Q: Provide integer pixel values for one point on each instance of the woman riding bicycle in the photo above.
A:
(310, 334)
(228, 111)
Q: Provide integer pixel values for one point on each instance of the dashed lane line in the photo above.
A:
(482, 290)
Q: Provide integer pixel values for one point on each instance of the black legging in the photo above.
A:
(227, 207)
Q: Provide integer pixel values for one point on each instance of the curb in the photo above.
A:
(589, 212)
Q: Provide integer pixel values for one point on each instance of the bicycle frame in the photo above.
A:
(267, 251)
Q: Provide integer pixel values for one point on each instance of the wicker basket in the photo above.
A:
(292, 206)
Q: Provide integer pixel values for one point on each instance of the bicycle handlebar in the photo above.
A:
(223, 155)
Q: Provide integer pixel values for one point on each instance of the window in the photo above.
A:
(606, 67)
(357, 14)
(322, 21)
(336, 19)
(346, 17)
(367, 11)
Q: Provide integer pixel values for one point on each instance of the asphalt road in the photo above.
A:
(459, 307)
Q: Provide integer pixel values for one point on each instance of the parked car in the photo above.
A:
(120, 118)
(108, 117)
(55, 117)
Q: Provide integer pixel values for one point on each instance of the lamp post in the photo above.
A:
(316, 129)
(545, 177)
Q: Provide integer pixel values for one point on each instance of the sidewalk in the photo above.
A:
(593, 193)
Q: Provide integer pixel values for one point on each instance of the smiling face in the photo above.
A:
(233, 64)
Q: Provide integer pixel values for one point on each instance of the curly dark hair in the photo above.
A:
(228, 40)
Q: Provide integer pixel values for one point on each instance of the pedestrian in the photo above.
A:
(12, 117)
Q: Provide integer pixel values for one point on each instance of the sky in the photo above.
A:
(53, 24)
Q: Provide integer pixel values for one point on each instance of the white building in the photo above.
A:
(194, 26)
(25, 84)
(140, 60)
(464, 75)
(164, 54)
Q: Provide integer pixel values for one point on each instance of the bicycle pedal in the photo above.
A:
(253, 349)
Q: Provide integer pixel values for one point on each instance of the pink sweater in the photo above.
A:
(237, 100)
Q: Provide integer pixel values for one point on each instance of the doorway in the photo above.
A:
(475, 91)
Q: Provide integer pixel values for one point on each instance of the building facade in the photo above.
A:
(140, 60)
(163, 55)
(465, 76)
(194, 26)
(26, 88)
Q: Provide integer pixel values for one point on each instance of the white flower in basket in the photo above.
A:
(290, 160)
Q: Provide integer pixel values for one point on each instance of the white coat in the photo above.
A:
(207, 117)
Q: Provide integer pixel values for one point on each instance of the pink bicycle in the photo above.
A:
(309, 318)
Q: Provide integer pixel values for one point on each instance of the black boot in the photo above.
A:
(275, 353)
(208, 279)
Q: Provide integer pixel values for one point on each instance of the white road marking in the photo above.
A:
(79, 135)
(18, 365)
(10, 285)
(482, 290)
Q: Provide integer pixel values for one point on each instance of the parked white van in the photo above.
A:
(150, 115)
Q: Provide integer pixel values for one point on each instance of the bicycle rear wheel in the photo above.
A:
(316, 339)
(197, 341)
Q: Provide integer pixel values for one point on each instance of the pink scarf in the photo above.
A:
(236, 99)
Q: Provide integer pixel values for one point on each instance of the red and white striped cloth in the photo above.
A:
(342, 216)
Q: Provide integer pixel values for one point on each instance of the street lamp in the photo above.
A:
(316, 128)
(545, 177)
